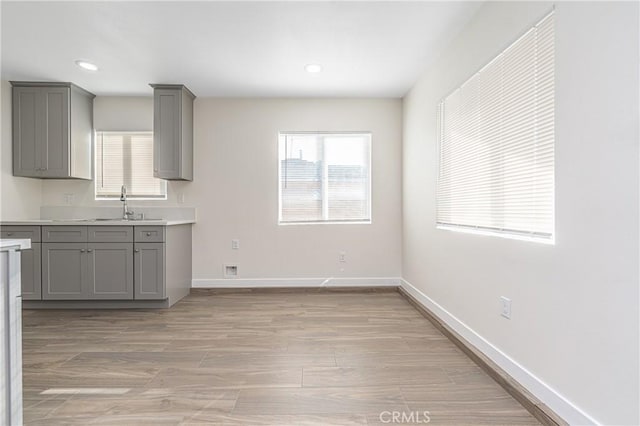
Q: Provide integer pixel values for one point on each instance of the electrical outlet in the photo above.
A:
(235, 244)
(180, 197)
(68, 199)
(505, 307)
(342, 257)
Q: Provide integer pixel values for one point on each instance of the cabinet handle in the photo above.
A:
(9, 233)
(148, 234)
(137, 250)
(81, 250)
(89, 250)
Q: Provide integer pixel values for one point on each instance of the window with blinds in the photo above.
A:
(126, 158)
(324, 177)
(496, 131)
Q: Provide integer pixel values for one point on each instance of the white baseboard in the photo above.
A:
(547, 395)
(296, 282)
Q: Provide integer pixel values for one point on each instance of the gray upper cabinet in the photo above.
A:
(172, 132)
(52, 130)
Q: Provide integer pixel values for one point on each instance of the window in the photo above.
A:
(496, 131)
(325, 177)
(126, 158)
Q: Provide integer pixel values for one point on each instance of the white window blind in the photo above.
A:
(126, 158)
(324, 177)
(496, 171)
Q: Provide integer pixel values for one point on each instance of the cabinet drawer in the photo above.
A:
(111, 234)
(149, 234)
(21, 232)
(64, 234)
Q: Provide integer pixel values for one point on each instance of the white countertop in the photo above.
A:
(21, 244)
(93, 222)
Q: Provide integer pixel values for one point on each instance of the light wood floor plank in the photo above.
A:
(286, 357)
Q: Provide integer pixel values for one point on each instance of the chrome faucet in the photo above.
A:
(126, 213)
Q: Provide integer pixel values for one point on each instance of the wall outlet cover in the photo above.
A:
(505, 307)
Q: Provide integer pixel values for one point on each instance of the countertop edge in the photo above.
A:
(82, 222)
(16, 244)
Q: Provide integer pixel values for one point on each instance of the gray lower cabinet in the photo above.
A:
(31, 273)
(87, 262)
(110, 271)
(76, 271)
(75, 262)
(149, 281)
(64, 271)
(30, 270)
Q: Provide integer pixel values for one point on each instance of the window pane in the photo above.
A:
(324, 177)
(110, 164)
(142, 182)
(126, 158)
(348, 177)
(301, 180)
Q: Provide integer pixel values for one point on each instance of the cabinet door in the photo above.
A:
(166, 133)
(110, 271)
(27, 134)
(31, 273)
(149, 282)
(64, 271)
(55, 123)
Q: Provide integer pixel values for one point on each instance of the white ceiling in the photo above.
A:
(234, 49)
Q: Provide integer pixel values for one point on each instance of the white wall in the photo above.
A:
(123, 113)
(19, 197)
(235, 190)
(235, 187)
(575, 312)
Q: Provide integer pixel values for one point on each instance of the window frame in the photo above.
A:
(97, 197)
(369, 188)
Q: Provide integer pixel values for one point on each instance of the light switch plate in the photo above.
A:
(505, 307)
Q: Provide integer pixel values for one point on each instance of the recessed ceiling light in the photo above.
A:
(87, 65)
(313, 68)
